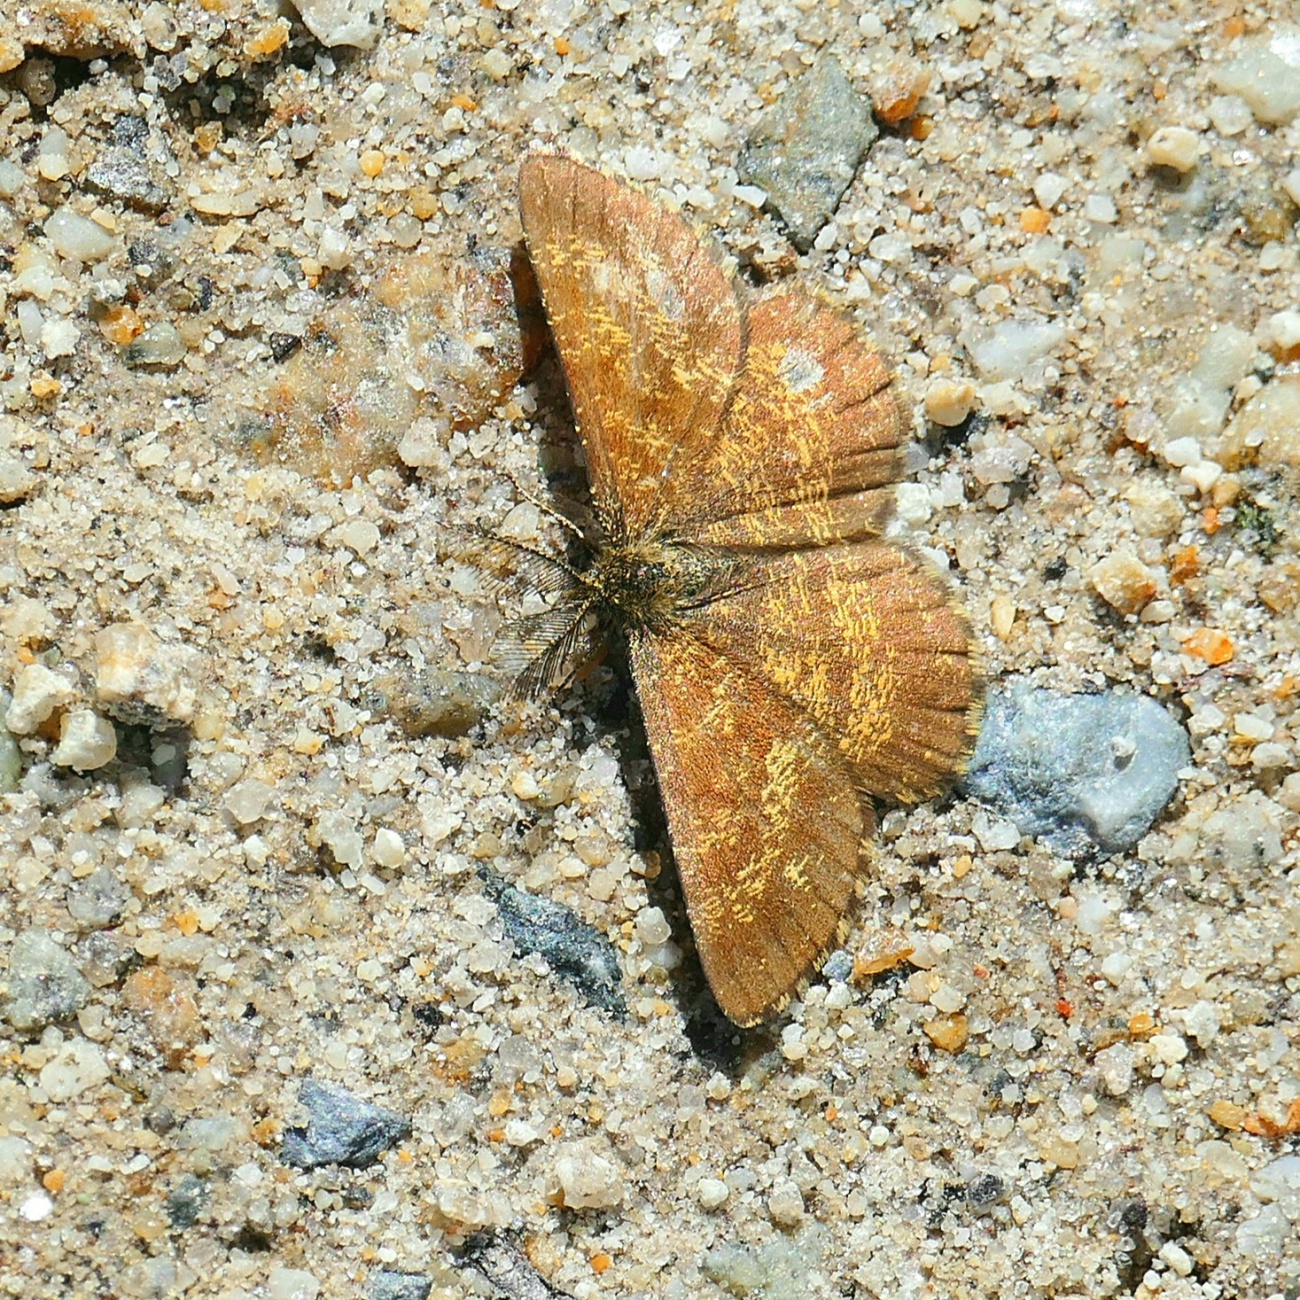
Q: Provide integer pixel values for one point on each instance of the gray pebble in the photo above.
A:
(11, 757)
(98, 900)
(575, 950)
(159, 344)
(119, 174)
(500, 1260)
(44, 984)
(185, 1201)
(387, 1284)
(1081, 772)
(806, 149)
(341, 1129)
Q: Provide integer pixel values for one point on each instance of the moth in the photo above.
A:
(792, 666)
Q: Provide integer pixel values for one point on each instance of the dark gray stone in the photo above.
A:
(388, 1284)
(119, 174)
(43, 982)
(1081, 772)
(807, 148)
(341, 1129)
(499, 1258)
(575, 950)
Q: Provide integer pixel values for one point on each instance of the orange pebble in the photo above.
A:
(1035, 221)
(1208, 644)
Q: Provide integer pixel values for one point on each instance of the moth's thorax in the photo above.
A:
(649, 583)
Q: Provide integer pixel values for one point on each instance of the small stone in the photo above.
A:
(98, 900)
(424, 445)
(1123, 581)
(949, 402)
(588, 1178)
(785, 1204)
(166, 1003)
(38, 692)
(1115, 1064)
(159, 344)
(1050, 762)
(342, 22)
(291, 1284)
(78, 1067)
(388, 849)
(806, 149)
(1269, 84)
(341, 1129)
(338, 831)
(652, 927)
(520, 1133)
(248, 800)
(121, 174)
(1284, 330)
(1155, 510)
(948, 1032)
(86, 741)
(1168, 1048)
(139, 679)
(575, 950)
(1266, 431)
(16, 480)
(43, 984)
(712, 1193)
(359, 535)
(1174, 146)
(388, 1284)
(78, 237)
(1008, 349)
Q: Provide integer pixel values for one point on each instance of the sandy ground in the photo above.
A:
(261, 351)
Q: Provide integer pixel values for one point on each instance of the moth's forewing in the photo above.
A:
(812, 442)
(646, 322)
(768, 829)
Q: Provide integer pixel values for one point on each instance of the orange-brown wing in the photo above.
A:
(646, 322)
(812, 440)
(768, 828)
(868, 642)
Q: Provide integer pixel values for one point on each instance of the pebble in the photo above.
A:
(785, 1204)
(575, 951)
(777, 1269)
(97, 900)
(588, 1177)
(139, 679)
(1174, 146)
(342, 22)
(78, 237)
(712, 1193)
(76, 1067)
(1115, 1064)
(291, 1284)
(11, 756)
(86, 741)
(806, 148)
(388, 1284)
(1081, 772)
(159, 344)
(341, 1129)
(1269, 84)
(949, 402)
(1123, 581)
(1200, 399)
(247, 801)
(38, 692)
(16, 480)
(1266, 430)
(1006, 350)
(185, 1201)
(43, 984)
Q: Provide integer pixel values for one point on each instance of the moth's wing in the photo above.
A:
(866, 640)
(812, 441)
(768, 828)
(647, 324)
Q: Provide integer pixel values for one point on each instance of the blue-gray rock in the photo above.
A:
(185, 1201)
(575, 950)
(500, 1260)
(806, 149)
(388, 1284)
(43, 984)
(341, 1129)
(1081, 772)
